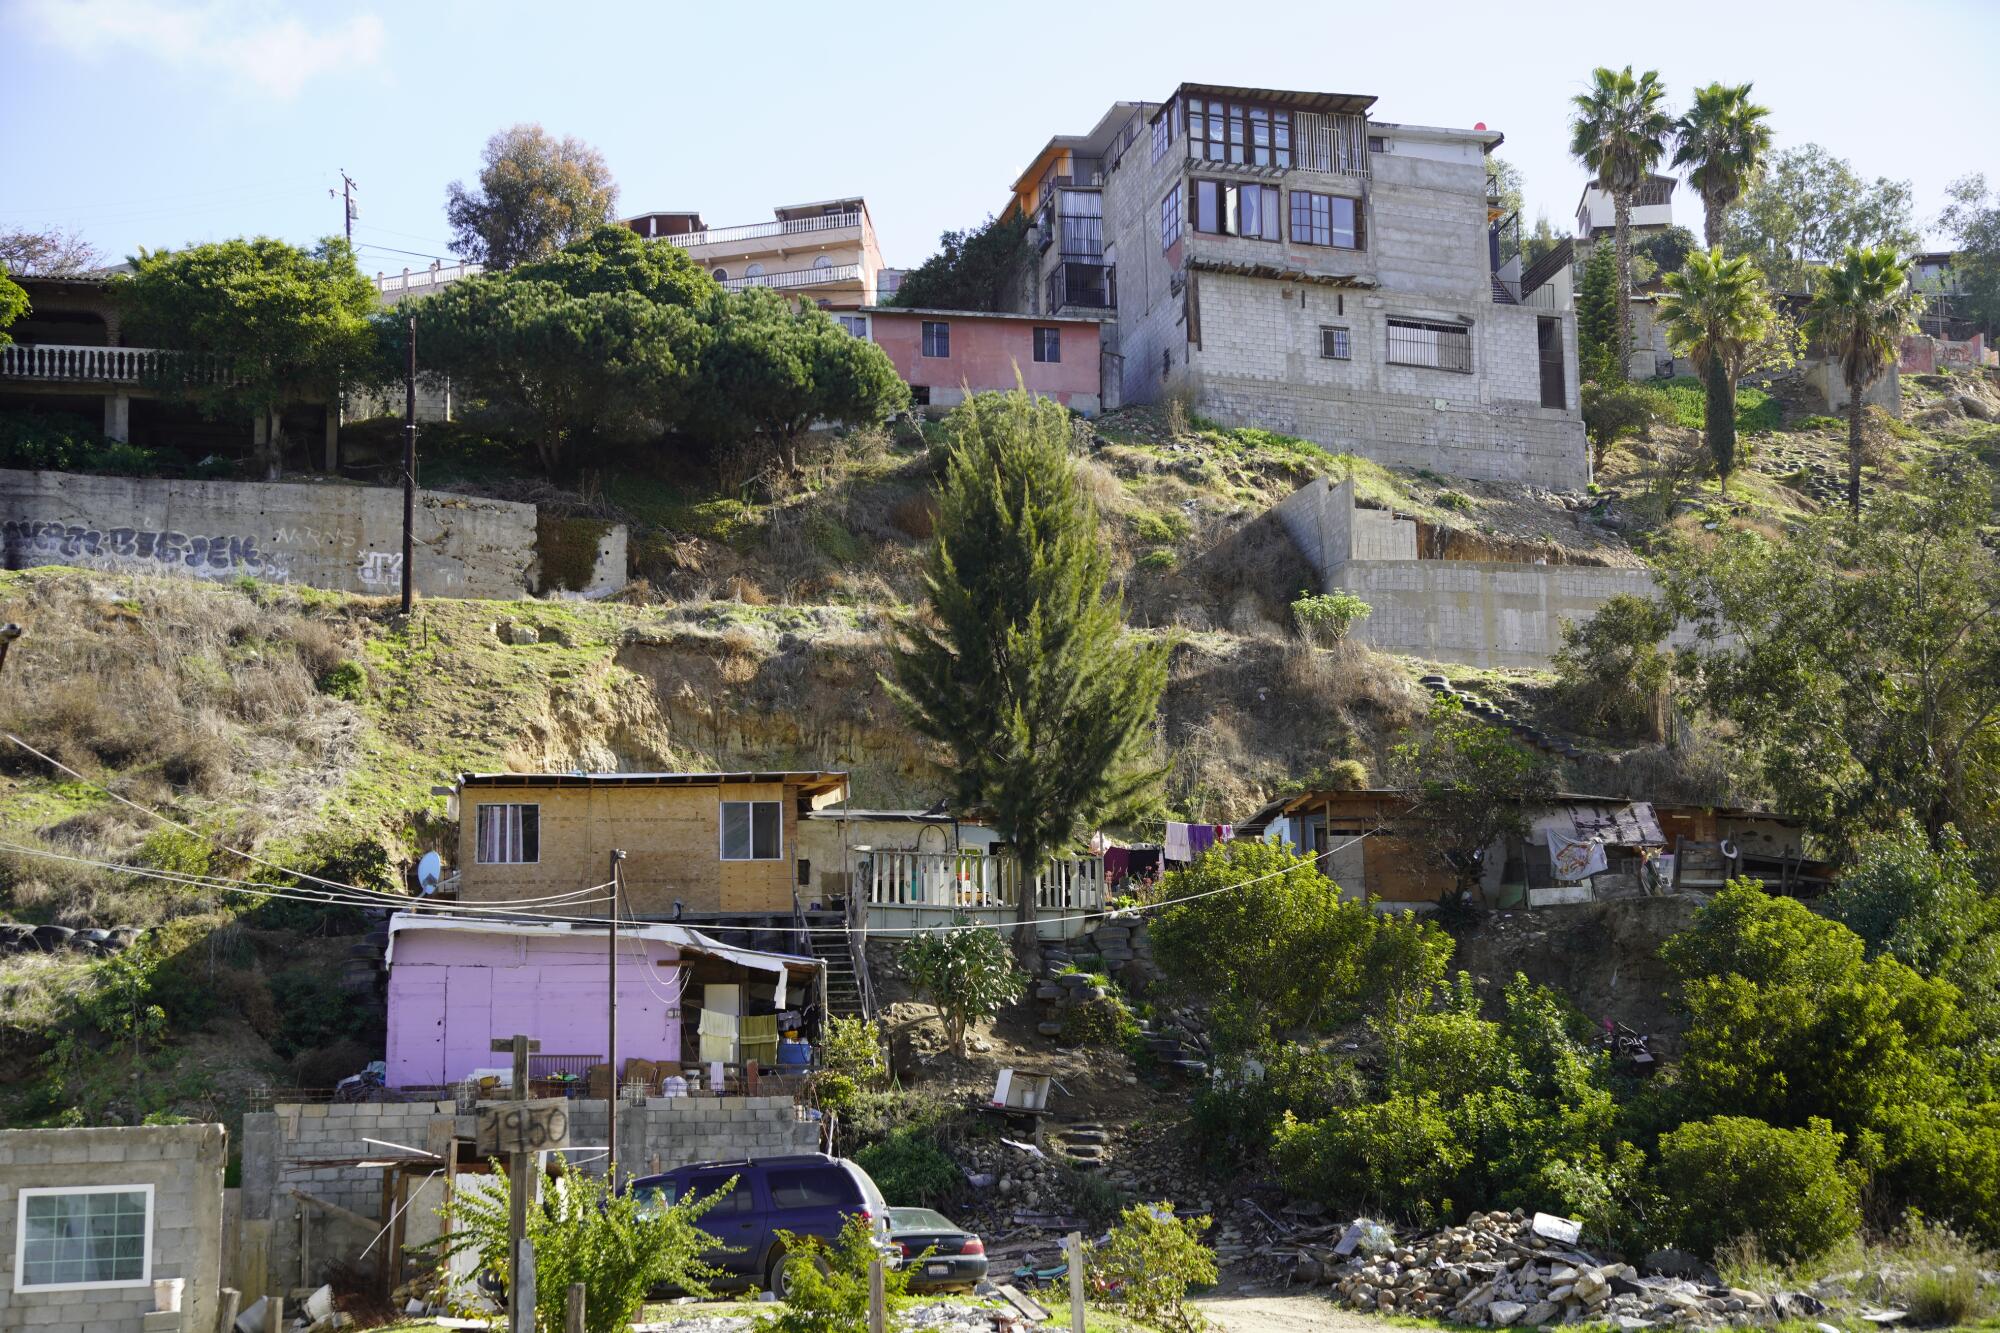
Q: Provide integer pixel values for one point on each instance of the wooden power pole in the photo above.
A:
(611, 1034)
(409, 465)
(520, 1196)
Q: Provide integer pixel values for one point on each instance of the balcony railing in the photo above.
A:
(72, 364)
(797, 277)
(751, 231)
(425, 279)
(1080, 173)
(965, 881)
(1082, 283)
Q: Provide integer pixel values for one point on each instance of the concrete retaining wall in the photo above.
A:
(282, 1149)
(182, 1163)
(347, 538)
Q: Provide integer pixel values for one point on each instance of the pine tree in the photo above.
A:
(1597, 317)
(1021, 667)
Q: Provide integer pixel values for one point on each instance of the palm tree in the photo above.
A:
(1619, 131)
(1715, 310)
(1861, 308)
(1723, 139)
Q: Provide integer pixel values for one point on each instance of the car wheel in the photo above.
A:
(782, 1267)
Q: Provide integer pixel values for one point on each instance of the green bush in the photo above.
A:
(1612, 670)
(1325, 618)
(60, 442)
(1614, 410)
(1732, 1176)
(1150, 1261)
(1159, 558)
(1400, 1155)
(1162, 528)
(313, 1011)
(853, 1047)
(829, 1284)
(967, 974)
(1233, 1121)
(910, 1168)
(1104, 1021)
(1684, 398)
(345, 680)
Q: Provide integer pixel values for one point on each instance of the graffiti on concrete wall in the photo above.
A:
(27, 542)
(380, 569)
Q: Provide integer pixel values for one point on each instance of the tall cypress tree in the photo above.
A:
(1597, 318)
(1020, 665)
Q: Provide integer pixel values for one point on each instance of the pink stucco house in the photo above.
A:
(944, 354)
(457, 983)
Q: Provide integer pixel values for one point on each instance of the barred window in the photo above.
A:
(1335, 343)
(1432, 346)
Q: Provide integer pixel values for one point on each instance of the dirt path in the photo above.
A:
(1254, 1311)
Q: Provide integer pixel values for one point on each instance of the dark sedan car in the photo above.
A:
(939, 1254)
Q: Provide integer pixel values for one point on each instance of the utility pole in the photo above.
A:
(521, 1171)
(347, 210)
(611, 1034)
(8, 633)
(409, 464)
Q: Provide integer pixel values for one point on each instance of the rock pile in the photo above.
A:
(1507, 1270)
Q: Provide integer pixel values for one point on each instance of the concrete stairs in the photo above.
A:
(1534, 737)
(1084, 1145)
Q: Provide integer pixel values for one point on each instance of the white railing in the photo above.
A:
(796, 277)
(64, 361)
(972, 883)
(422, 279)
(751, 231)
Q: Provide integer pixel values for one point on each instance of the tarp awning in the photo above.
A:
(1630, 825)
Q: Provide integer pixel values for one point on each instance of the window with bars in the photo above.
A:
(1432, 346)
(1239, 132)
(753, 830)
(84, 1236)
(508, 834)
(1224, 209)
(1048, 344)
(1326, 219)
(1170, 218)
(1335, 342)
(937, 338)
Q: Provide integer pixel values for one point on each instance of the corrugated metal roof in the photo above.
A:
(813, 781)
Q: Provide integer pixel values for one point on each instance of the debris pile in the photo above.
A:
(1509, 1270)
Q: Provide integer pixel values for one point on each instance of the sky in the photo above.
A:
(175, 121)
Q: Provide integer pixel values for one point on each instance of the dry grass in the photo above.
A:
(1923, 1267)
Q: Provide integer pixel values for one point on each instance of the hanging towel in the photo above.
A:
(1098, 843)
(1117, 863)
(1201, 837)
(1177, 842)
(1225, 832)
(1574, 859)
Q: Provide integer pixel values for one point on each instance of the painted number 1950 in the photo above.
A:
(523, 1127)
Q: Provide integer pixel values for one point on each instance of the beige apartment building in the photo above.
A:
(824, 251)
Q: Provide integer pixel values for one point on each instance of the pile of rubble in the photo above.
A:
(1509, 1270)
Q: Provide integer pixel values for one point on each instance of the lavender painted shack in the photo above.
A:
(456, 984)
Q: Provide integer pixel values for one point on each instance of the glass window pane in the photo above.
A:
(767, 831)
(735, 830)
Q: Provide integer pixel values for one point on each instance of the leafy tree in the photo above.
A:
(826, 1284)
(1664, 250)
(1722, 139)
(1715, 311)
(1285, 957)
(1861, 308)
(1618, 129)
(774, 367)
(1807, 207)
(1021, 666)
(263, 324)
(618, 1244)
(47, 252)
(965, 972)
(1861, 663)
(1923, 905)
(595, 348)
(536, 195)
(1539, 241)
(1510, 181)
(909, 1167)
(1597, 318)
(1973, 220)
(13, 305)
(1469, 786)
(1149, 1261)
(1612, 410)
(975, 269)
(1612, 672)
(1732, 1176)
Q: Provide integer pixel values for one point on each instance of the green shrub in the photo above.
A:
(1103, 1021)
(1684, 399)
(1612, 670)
(1456, 501)
(345, 680)
(1150, 1261)
(1233, 1121)
(836, 1093)
(1731, 1176)
(1159, 558)
(853, 1047)
(313, 1011)
(1400, 1154)
(618, 1245)
(1160, 527)
(1614, 410)
(60, 442)
(1325, 618)
(910, 1168)
(829, 1284)
(967, 974)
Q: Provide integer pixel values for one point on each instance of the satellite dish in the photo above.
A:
(429, 870)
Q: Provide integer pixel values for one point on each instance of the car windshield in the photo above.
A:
(918, 1219)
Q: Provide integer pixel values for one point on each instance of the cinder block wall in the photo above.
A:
(294, 1148)
(183, 1164)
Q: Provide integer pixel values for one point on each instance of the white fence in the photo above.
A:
(906, 889)
(751, 231)
(425, 279)
(796, 277)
